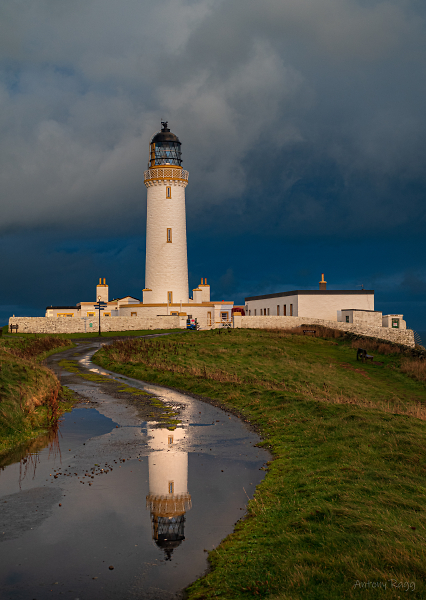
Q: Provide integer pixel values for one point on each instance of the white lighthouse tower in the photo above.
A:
(166, 271)
(168, 498)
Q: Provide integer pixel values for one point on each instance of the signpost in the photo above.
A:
(100, 306)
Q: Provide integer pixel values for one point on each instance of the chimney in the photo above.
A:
(322, 283)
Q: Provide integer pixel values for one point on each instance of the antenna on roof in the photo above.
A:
(361, 285)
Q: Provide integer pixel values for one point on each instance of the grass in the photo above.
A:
(31, 398)
(89, 335)
(343, 501)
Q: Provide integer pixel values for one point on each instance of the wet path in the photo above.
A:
(129, 483)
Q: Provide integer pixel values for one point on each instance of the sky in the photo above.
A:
(302, 125)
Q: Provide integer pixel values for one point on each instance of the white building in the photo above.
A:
(350, 306)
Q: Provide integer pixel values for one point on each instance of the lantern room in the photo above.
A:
(165, 148)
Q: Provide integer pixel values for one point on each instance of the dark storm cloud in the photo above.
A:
(317, 102)
(303, 128)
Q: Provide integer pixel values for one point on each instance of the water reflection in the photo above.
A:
(27, 454)
(168, 498)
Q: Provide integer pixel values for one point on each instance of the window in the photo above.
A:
(169, 297)
(224, 316)
(255, 312)
(209, 318)
(264, 312)
(285, 309)
(268, 311)
(133, 314)
(107, 314)
(174, 314)
(168, 192)
(291, 310)
(169, 235)
(65, 314)
(347, 318)
(171, 487)
(249, 313)
(278, 310)
(90, 314)
(170, 440)
(395, 323)
(261, 311)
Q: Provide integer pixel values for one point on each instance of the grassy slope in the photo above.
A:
(27, 389)
(89, 335)
(344, 499)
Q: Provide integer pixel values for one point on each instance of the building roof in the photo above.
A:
(124, 297)
(165, 135)
(311, 293)
(360, 310)
(52, 307)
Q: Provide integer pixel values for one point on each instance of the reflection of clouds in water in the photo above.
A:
(168, 498)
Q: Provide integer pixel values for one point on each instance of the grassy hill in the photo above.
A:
(29, 392)
(341, 512)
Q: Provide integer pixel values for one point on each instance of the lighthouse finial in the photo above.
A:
(164, 125)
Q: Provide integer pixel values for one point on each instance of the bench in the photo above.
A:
(14, 327)
(361, 354)
(309, 331)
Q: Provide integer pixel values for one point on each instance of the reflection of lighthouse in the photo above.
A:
(168, 498)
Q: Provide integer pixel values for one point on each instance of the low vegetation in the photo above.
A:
(342, 506)
(88, 335)
(31, 397)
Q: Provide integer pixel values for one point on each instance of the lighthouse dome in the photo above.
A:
(165, 148)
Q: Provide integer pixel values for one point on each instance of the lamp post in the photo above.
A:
(100, 306)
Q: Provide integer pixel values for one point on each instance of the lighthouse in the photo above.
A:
(168, 498)
(166, 267)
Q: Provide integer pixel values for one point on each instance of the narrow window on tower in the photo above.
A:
(291, 310)
(285, 309)
(168, 192)
(278, 310)
(169, 297)
(171, 487)
(169, 235)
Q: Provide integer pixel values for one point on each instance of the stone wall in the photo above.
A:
(397, 336)
(77, 325)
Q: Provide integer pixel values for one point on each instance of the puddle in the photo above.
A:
(116, 490)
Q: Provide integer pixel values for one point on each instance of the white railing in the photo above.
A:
(165, 173)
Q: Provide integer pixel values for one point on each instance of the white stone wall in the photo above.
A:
(318, 306)
(197, 310)
(326, 306)
(166, 263)
(398, 336)
(76, 325)
(372, 318)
